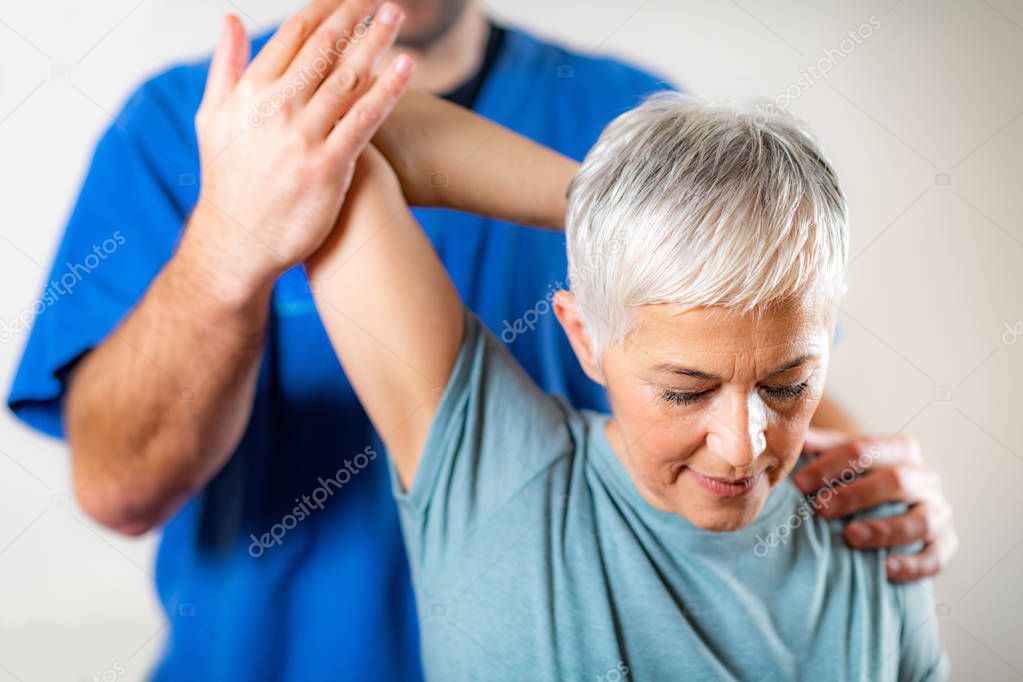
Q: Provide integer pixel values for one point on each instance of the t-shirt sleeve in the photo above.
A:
(494, 433)
(922, 654)
(140, 185)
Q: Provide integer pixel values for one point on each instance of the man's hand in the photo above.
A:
(890, 469)
(278, 140)
(276, 165)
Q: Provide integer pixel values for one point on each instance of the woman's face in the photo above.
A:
(711, 407)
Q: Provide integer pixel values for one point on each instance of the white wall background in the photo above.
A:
(924, 120)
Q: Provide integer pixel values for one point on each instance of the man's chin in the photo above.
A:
(428, 21)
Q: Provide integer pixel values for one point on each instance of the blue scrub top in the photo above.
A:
(333, 597)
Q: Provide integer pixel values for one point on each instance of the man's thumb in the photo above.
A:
(229, 61)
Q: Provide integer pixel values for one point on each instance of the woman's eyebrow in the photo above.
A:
(793, 364)
(686, 372)
(704, 376)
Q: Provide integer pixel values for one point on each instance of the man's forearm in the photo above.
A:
(446, 155)
(156, 409)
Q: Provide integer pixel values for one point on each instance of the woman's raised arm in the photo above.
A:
(447, 155)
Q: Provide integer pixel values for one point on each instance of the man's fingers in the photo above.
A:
(228, 62)
(831, 465)
(275, 57)
(353, 132)
(843, 462)
(902, 568)
(821, 440)
(352, 77)
(329, 43)
(906, 483)
(924, 522)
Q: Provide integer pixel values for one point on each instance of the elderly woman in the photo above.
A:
(663, 541)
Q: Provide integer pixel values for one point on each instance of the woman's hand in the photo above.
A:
(889, 469)
(279, 139)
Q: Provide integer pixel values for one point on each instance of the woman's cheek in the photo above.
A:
(676, 436)
(787, 444)
(787, 432)
(644, 410)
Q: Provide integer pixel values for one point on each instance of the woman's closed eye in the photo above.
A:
(790, 392)
(677, 397)
(776, 393)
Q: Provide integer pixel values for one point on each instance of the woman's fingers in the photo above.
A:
(353, 132)
(276, 56)
(352, 77)
(228, 62)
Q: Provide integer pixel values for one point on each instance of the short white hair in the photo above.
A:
(686, 202)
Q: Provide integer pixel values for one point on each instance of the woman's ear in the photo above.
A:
(566, 310)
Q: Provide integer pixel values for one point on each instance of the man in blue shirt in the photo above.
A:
(210, 404)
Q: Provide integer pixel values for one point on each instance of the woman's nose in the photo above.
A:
(736, 434)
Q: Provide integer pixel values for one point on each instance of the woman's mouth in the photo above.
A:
(726, 487)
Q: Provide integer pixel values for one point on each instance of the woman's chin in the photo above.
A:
(721, 514)
(723, 522)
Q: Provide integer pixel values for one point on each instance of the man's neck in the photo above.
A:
(455, 57)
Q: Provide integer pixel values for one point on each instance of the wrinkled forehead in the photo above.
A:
(765, 338)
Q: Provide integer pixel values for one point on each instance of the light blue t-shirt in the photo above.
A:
(534, 557)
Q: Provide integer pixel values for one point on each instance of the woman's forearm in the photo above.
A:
(446, 155)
